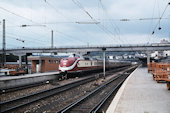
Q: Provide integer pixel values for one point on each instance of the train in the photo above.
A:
(76, 63)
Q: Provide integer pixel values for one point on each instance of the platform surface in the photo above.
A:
(141, 94)
(28, 75)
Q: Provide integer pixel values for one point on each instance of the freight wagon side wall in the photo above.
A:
(51, 64)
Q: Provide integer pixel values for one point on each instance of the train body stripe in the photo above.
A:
(63, 69)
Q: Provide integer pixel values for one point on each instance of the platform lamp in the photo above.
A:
(84, 22)
(24, 25)
(39, 25)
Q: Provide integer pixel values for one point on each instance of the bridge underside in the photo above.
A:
(85, 50)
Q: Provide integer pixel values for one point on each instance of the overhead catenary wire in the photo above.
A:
(67, 35)
(92, 18)
(151, 23)
(116, 28)
(91, 22)
(87, 22)
(21, 17)
(17, 37)
(64, 34)
(26, 40)
(98, 20)
(18, 15)
(68, 18)
(31, 20)
(160, 19)
(56, 10)
(134, 19)
(82, 8)
(31, 31)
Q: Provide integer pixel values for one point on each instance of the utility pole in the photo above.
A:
(40, 63)
(3, 46)
(52, 39)
(148, 57)
(52, 42)
(169, 36)
(104, 62)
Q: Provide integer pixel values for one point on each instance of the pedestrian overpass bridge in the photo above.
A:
(85, 49)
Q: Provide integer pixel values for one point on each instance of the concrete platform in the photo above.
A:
(28, 75)
(16, 81)
(141, 94)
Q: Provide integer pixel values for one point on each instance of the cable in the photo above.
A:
(17, 36)
(68, 18)
(149, 35)
(56, 10)
(66, 35)
(134, 19)
(100, 26)
(160, 19)
(11, 35)
(28, 19)
(112, 24)
(82, 8)
(18, 15)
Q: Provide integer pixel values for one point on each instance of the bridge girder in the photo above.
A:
(143, 48)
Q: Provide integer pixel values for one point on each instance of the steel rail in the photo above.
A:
(95, 109)
(13, 104)
(53, 104)
(107, 96)
(28, 99)
(7, 90)
(67, 108)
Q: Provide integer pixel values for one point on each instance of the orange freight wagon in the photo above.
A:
(161, 71)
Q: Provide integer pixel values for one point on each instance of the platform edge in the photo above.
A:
(113, 105)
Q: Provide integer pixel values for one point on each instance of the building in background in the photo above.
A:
(43, 63)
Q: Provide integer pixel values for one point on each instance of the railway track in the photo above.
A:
(3, 91)
(92, 102)
(25, 100)
(14, 104)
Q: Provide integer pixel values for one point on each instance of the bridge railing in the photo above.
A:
(95, 46)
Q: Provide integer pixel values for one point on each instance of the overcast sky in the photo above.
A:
(83, 22)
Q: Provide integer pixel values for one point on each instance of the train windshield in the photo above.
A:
(74, 55)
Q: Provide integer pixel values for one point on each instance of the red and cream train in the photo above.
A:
(77, 63)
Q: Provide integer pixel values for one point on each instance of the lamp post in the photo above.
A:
(104, 62)
(3, 45)
(40, 62)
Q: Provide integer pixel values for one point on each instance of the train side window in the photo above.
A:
(49, 61)
(77, 56)
(86, 58)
